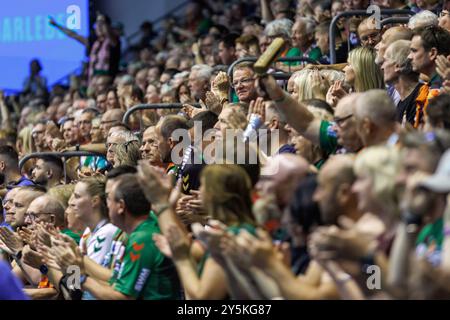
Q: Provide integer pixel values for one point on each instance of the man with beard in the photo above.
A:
(48, 171)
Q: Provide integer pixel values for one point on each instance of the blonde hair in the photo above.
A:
(127, 154)
(62, 193)
(95, 186)
(333, 75)
(382, 164)
(302, 81)
(368, 74)
(26, 138)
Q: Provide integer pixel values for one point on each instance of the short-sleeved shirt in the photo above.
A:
(97, 243)
(144, 272)
(75, 236)
(328, 137)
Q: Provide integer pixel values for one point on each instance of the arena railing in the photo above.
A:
(355, 13)
(62, 155)
(153, 106)
(393, 20)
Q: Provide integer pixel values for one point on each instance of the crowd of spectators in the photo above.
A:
(349, 199)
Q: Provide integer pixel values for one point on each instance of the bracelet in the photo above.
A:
(19, 255)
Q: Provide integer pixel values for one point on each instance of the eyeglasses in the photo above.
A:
(340, 121)
(34, 216)
(244, 82)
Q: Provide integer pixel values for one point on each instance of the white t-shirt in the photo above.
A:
(98, 243)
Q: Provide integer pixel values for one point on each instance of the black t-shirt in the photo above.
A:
(190, 170)
(407, 108)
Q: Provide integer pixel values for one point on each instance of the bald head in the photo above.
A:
(375, 116)
(390, 36)
(47, 209)
(281, 175)
(109, 119)
(333, 193)
(339, 168)
(368, 32)
(346, 125)
(377, 106)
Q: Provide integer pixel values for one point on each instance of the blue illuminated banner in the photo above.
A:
(25, 34)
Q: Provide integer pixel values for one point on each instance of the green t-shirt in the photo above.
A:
(292, 52)
(429, 241)
(75, 236)
(314, 53)
(144, 272)
(328, 138)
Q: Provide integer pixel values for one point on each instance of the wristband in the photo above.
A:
(409, 218)
(43, 269)
(19, 255)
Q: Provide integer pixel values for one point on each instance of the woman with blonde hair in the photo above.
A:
(308, 84)
(376, 169)
(24, 143)
(362, 73)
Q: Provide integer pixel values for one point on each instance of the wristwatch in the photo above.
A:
(43, 269)
(412, 221)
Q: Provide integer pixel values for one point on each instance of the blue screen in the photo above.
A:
(25, 34)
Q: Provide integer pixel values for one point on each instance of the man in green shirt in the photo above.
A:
(140, 271)
(303, 38)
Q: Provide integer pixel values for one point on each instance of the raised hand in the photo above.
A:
(162, 244)
(155, 184)
(32, 258)
(179, 243)
(258, 108)
(27, 236)
(213, 102)
(11, 240)
(443, 67)
(221, 83)
(319, 85)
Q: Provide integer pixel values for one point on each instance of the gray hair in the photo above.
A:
(128, 136)
(279, 27)
(376, 105)
(203, 71)
(310, 24)
(398, 52)
(423, 19)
